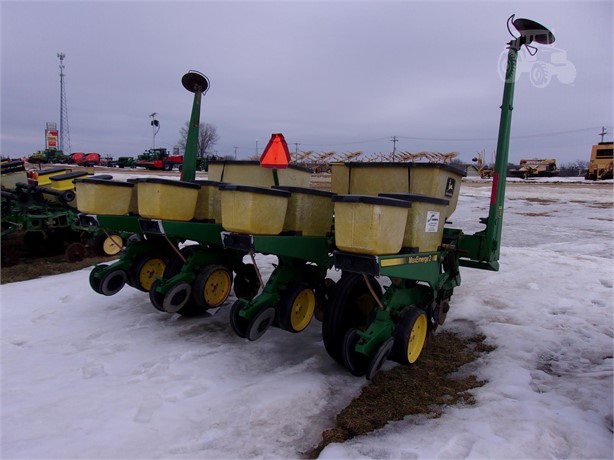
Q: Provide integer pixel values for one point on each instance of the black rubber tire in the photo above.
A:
(155, 297)
(95, 282)
(355, 362)
(113, 282)
(238, 324)
(351, 305)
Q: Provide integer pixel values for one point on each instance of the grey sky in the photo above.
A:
(341, 76)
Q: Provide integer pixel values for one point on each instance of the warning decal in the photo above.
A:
(432, 222)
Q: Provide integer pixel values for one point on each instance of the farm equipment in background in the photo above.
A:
(159, 159)
(601, 163)
(535, 168)
(43, 208)
(84, 159)
(382, 221)
(48, 156)
(125, 162)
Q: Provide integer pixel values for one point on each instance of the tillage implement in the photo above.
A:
(188, 241)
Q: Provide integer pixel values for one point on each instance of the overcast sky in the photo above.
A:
(341, 76)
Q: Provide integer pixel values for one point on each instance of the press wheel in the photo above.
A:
(238, 324)
(351, 306)
(113, 282)
(260, 323)
(146, 270)
(410, 336)
(212, 286)
(380, 358)
(94, 281)
(296, 308)
(355, 362)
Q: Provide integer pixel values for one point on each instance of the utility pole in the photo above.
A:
(155, 124)
(64, 129)
(235, 147)
(394, 147)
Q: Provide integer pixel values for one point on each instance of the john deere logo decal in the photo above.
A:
(450, 185)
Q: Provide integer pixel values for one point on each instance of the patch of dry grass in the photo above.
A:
(423, 388)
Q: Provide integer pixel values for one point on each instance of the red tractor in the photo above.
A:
(159, 159)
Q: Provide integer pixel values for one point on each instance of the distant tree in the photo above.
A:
(207, 138)
(573, 168)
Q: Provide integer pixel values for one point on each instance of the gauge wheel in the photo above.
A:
(247, 283)
(212, 286)
(410, 336)
(177, 297)
(351, 306)
(238, 324)
(75, 252)
(112, 245)
(296, 308)
(146, 270)
(355, 362)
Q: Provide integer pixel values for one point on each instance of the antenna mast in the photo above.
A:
(64, 129)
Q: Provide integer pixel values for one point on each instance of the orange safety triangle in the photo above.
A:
(276, 153)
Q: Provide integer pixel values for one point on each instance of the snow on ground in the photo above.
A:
(88, 376)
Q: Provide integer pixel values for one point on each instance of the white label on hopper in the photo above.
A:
(432, 222)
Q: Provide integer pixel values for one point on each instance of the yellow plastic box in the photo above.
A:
(425, 221)
(45, 175)
(253, 210)
(369, 225)
(310, 211)
(133, 208)
(209, 202)
(432, 179)
(166, 199)
(251, 173)
(438, 181)
(65, 181)
(13, 172)
(103, 197)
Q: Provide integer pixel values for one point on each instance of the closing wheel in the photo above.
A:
(380, 358)
(176, 297)
(212, 286)
(296, 308)
(112, 245)
(351, 306)
(260, 323)
(113, 282)
(155, 297)
(75, 252)
(146, 270)
(238, 324)
(95, 282)
(247, 283)
(410, 336)
(355, 362)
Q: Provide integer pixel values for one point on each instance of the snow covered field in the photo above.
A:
(88, 376)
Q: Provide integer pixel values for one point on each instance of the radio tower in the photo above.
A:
(64, 129)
